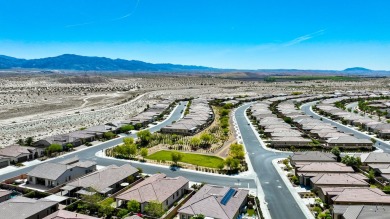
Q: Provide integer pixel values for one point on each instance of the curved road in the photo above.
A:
(281, 203)
(90, 154)
(307, 109)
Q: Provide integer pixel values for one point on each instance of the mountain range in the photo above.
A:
(103, 64)
(87, 63)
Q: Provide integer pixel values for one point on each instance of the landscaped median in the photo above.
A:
(213, 150)
(234, 163)
(190, 158)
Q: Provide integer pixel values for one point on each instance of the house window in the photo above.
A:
(166, 202)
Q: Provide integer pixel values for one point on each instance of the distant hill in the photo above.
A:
(86, 63)
(357, 69)
(71, 62)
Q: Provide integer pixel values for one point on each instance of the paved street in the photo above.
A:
(306, 108)
(89, 154)
(280, 201)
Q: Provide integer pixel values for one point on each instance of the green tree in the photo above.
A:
(128, 141)
(288, 120)
(228, 162)
(108, 135)
(237, 151)
(371, 176)
(69, 146)
(121, 213)
(206, 138)
(221, 166)
(295, 180)
(133, 206)
(20, 142)
(195, 142)
(176, 157)
(53, 148)
(130, 179)
(126, 128)
(351, 161)
(138, 126)
(105, 207)
(232, 163)
(92, 201)
(228, 106)
(336, 151)
(144, 153)
(145, 136)
(174, 137)
(235, 164)
(130, 150)
(224, 112)
(29, 141)
(154, 209)
(386, 189)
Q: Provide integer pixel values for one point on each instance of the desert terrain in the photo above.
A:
(42, 105)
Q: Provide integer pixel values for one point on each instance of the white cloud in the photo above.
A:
(304, 38)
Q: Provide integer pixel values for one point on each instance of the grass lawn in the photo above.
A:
(195, 159)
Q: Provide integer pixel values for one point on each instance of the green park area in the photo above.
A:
(194, 159)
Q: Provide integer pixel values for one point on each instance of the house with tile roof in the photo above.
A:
(218, 202)
(104, 181)
(349, 142)
(27, 208)
(4, 161)
(382, 170)
(360, 211)
(64, 214)
(55, 174)
(353, 196)
(312, 156)
(199, 117)
(339, 180)
(158, 187)
(307, 170)
(375, 158)
(18, 154)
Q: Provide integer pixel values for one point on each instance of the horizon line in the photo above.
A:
(216, 68)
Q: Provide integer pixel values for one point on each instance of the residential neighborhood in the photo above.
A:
(198, 115)
(207, 156)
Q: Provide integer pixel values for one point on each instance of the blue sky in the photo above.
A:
(245, 34)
